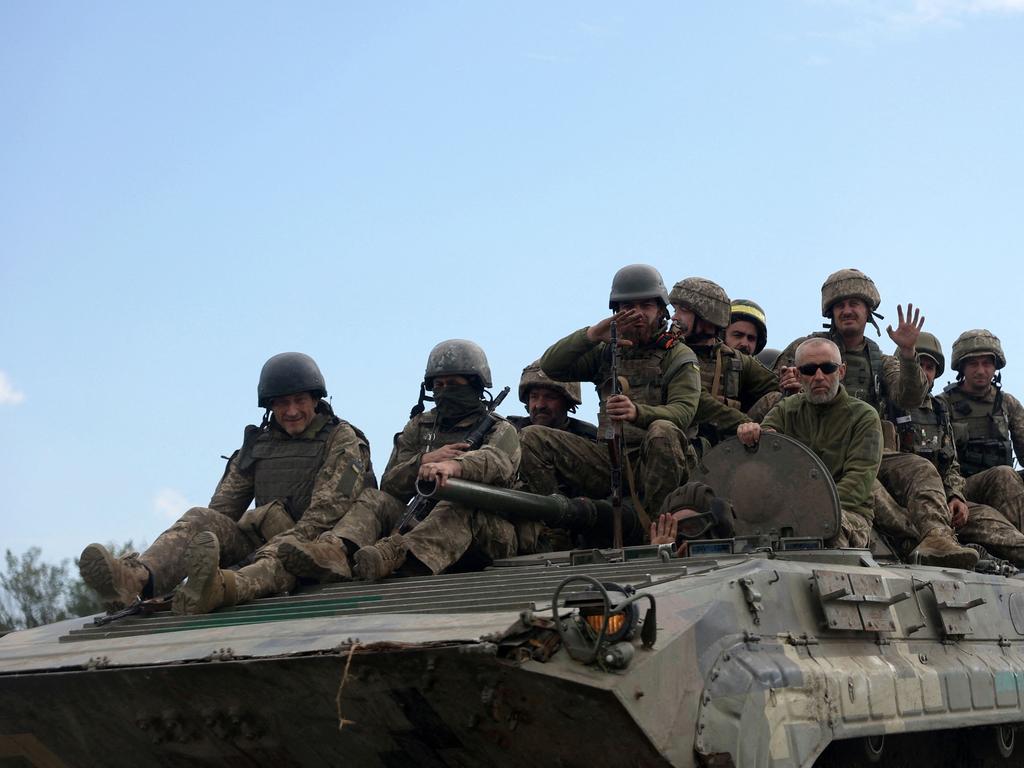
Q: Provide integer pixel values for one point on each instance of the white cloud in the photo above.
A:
(170, 504)
(8, 394)
(913, 13)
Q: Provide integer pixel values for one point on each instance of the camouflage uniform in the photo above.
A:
(731, 383)
(846, 435)
(664, 384)
(572, 425)
(307, 481)
(450, 531)
(987, 428)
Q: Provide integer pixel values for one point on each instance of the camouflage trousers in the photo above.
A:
(999, 487)
(908, 496)
(446, 535)
(990, 528)
(555, 461)
(854, 531)
(165, 558)
(760, 409)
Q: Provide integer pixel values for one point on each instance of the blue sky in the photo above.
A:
(188, 189)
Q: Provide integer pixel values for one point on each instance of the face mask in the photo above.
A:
(454, 403)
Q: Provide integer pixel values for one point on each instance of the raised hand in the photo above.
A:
(907, 329)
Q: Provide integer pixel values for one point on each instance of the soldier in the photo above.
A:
(849, 299)
(663, 391)
(926, 431)
(843, 431)
(731, 381)
(303, 466)
(550, 402)
(988, 423)
(430, 447)
(747, 331)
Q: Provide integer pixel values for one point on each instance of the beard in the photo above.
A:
(820, 398)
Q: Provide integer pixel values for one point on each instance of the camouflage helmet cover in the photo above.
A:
(928, 344)
(746, 309)
(975, 343)
(635, 282)
(457, 357)
(703, 297)
(533, 376)
(848, 284)
(287, 374)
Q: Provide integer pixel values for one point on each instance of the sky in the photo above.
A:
(187, 189)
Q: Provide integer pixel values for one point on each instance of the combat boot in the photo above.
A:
(207, 587)
(940, 547)
(382, 559)
(322, 560)
(117, 580)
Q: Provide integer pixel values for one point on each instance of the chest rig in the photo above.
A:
(981, 429)
(720, 371)
(926, 432)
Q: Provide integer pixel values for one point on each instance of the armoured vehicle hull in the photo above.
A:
(788, 655)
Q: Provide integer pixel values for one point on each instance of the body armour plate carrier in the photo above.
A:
(285, 469)
(981, 429)
(863, 378)
(723, 362)
(926, 432)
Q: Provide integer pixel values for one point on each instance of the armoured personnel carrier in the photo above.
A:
(759, 648)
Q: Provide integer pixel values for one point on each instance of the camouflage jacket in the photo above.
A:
(572, 426)
(496, 462)
(664, 378)
(731, 382)
(927, 431)
(344, 471)
(845, 434)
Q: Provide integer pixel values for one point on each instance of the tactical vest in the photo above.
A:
(722, 359)
(573, 426)
(429, 436)
(285, 468)
(926, 432)
(863, 378)
(648, 384)
(981, 429)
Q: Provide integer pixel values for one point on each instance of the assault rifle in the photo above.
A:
(419, 506)
(613, 437)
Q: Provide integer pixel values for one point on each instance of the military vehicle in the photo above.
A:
(758, 648)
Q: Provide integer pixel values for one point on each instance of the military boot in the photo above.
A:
(322, 560)
(940, 547)
(207, 587)
(382, 559)
(117, 580)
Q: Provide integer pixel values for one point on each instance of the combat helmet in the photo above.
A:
(746, 309)
(533, 376)
(457, 357)
(848, 284)
(287, 374)
(768, 357)
(928, 344)
(635, 282)
(977, 342)
(704, 298)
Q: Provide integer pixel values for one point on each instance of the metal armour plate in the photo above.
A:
(781, 485)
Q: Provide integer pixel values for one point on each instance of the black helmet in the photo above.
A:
(287, 374)
(457, 357)
(635, 282)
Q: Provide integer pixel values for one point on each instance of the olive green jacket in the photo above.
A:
(846, 435)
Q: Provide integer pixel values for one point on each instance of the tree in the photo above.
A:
(33, 592)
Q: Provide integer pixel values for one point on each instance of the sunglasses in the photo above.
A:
(809, 369)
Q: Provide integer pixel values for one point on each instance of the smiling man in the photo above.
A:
(656, 406)
(302, 466)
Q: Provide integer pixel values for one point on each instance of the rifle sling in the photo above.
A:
(641, 513)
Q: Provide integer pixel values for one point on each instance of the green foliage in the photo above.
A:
(33, 592)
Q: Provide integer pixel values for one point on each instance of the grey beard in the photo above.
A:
(825, 398)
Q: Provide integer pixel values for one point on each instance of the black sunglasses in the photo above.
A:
(809, 369)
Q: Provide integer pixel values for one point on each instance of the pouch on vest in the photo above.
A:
(890, 442)
(261, 524)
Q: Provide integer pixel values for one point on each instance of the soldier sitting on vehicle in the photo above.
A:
(549, 403)
(303, 466)
(988, 423)
(843, 431)
(927, 432)
(731, 381)
(431, 447)
(653, 410)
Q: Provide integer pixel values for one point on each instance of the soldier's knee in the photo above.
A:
(198, 516)
(1005, 475)
(663, 429)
